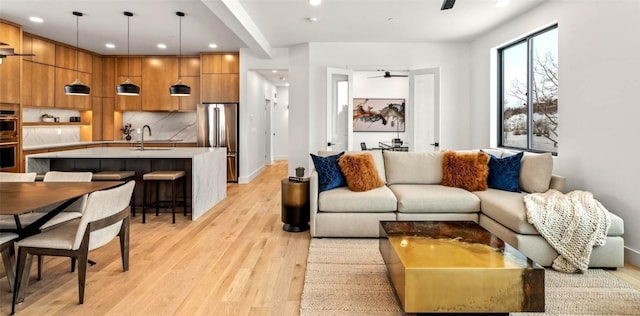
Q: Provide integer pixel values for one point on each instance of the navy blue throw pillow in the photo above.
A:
(329, 174)
(504, 172)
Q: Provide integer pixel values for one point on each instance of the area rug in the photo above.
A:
(348, 277)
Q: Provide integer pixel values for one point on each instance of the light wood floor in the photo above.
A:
(235, 260)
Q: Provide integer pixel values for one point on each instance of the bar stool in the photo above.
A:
(160, 176)
(124, 175)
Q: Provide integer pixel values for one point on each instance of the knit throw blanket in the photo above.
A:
(571, 223)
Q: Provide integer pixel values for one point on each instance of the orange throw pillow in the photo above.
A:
(360, 172)
(467, 171)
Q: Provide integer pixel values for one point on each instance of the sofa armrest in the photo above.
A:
(558, 182)
(313, 202)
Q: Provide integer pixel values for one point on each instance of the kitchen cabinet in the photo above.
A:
(44, 51)
(162, 73)
(132, 68)
(220, 77)
(10, 68)
(108, 74)
(220, 88)
(66, 58)
(188, 104)
(37, 84)
(64, 77)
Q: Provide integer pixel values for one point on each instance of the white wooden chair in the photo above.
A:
(106, 216)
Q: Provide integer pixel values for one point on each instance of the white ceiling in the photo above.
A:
(256, 24)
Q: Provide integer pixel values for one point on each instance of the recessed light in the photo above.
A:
(502, 3)
(162, 46)
(315, 2)
(274, 71)
(110, 45)
(36, 19)
(286, 84)
(212, 45)
(312, 19)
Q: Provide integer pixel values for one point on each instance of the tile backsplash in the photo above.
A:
(177, 126)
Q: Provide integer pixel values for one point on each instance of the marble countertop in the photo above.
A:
(150, 142)
(128, 152)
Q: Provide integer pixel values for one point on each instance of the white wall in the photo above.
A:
(598, 109)
(281, 125)
(251, 149)
(259, 90)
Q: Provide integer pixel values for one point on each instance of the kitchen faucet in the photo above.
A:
(142, 140)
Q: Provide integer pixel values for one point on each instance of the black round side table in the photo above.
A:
(295, 205)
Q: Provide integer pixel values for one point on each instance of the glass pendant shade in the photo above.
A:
(77, 87)
(128, 88)
(180, 89)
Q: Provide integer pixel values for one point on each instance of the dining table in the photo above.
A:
(22, 197)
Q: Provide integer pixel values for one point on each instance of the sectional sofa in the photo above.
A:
(412, 190)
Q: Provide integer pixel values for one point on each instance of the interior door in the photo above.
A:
(424, 101)
(339, 109)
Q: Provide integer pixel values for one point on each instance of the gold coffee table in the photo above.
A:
(458, 267)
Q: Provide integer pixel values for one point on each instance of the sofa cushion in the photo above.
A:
(344, 200)
(468, 170)
(535, 171)
(413, 167)
(377, 157)
(506, 208)
(360, 172)
(434, 198)
(504, 173)
(329, 174)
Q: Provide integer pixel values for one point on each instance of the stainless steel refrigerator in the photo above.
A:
(218, 127)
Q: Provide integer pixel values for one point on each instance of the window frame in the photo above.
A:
(528, 39)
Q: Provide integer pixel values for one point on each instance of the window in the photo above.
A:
(528, 92)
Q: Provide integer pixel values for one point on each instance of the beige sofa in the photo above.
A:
(412, 191)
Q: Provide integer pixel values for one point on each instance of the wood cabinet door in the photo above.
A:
(190, 66)
(158, 74)
(129, 102)
(188, 104)
(44, 51)
(37, 84)
(64, 77)
(66, 58)
(220, 63)
(109, 77)
(10, 68)
(134, 68)
(220, 88)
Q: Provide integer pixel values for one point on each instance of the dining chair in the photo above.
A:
(74, 210)
(7, 222)
(7, 251)
(106, 216)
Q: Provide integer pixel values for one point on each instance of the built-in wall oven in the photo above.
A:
(9, 140)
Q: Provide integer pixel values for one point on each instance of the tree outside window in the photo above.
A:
(528, 92)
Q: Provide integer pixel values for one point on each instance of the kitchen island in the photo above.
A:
(205, 168)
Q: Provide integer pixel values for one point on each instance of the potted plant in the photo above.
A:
(127, 130)
(47, 117)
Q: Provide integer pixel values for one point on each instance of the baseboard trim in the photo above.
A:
(632, 256)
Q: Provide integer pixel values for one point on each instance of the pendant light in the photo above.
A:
(179, 89)
(77, 87)
(128, 87)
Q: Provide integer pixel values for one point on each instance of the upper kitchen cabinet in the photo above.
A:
(108, 74)
(64, 77)
(44, 51)
(129, 67)
(220, 77)
(158, 74)
(37, 84)
(10, 68)
(66, 58)
(191, 77)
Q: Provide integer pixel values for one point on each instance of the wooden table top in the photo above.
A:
(22, 197)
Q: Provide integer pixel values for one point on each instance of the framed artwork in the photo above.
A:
(378, 115)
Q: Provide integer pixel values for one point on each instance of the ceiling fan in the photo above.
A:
(8, 51)
(447, 4)
(387, 74)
